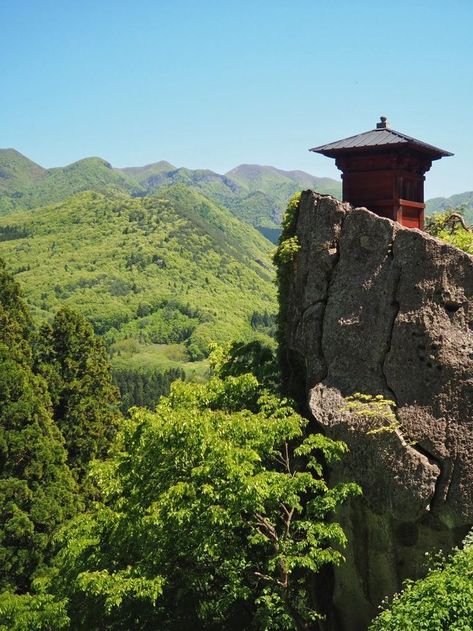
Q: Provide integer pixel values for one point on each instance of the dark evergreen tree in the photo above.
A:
(144, 387)
(74, 362)
(37, 490)
(254, 357)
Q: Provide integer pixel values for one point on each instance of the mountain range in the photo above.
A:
(256, 194)
(463, 200)
(162, 260)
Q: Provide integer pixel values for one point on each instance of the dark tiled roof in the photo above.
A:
(380, 137)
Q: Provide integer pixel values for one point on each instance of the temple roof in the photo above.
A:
(380, 137)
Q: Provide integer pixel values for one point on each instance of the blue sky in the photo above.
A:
(213, 84)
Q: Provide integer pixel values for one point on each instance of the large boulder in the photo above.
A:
(378, 309)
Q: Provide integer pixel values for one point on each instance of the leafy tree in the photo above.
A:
(214, 517)
(443, 600)
(85, 402)
(450, 226)
(239, 357)
(37, 491)
(32, 613)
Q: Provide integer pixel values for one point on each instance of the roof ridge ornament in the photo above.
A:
(384, 124)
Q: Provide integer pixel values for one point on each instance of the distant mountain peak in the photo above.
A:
(13, 156)
(91, 161)
(162, 166)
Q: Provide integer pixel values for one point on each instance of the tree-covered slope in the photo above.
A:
(25, 185)
(460, 199)
(255, 194)
(149, 170)
(160, 277)
(272, 181)
(17, 171)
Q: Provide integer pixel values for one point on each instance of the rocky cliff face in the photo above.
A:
(375, 308)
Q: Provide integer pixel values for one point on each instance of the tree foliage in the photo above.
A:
(32, 613)
(214, 516)
(85, 402)
(238, 358)
(37, 491)
(450, 226)
(443, 600)
(144, 387)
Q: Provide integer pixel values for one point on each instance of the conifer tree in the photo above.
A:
(37, 490)
(85, 402)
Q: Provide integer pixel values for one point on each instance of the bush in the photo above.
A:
(443, 600)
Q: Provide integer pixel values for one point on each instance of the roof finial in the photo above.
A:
(384, 124)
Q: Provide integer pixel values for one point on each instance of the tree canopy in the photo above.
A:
(85, 402)
(442, 600)
(37, 491)
(214, 515)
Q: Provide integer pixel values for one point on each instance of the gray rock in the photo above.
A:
(375, 308)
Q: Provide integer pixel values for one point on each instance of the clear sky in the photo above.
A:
(215, 83)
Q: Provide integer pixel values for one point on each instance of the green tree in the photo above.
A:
(213, 517)
(238, 358)
(37, 491)
(85, 402)
(451, 227)
(144, 387)
(32, 613)
(443, 600)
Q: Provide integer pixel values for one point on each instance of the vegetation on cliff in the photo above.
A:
(442, 600)
(451, 226)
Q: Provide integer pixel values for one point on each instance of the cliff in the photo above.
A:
(371, 307)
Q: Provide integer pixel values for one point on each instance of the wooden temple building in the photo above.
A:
(384, 170)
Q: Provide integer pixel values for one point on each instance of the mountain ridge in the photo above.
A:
(438, 204)
(257, 194)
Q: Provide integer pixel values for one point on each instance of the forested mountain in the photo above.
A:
(274, 181)
(256, 194)
(460, 199)
(25, 185)
(159, 277)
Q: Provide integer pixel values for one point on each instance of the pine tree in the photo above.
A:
(85, 402)
(37, 490)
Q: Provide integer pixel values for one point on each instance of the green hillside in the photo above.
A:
(149, 170)
(460, 199)
(160, 277)
(17, 171)
(256, 194)
(25, 185)
(283, 184)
